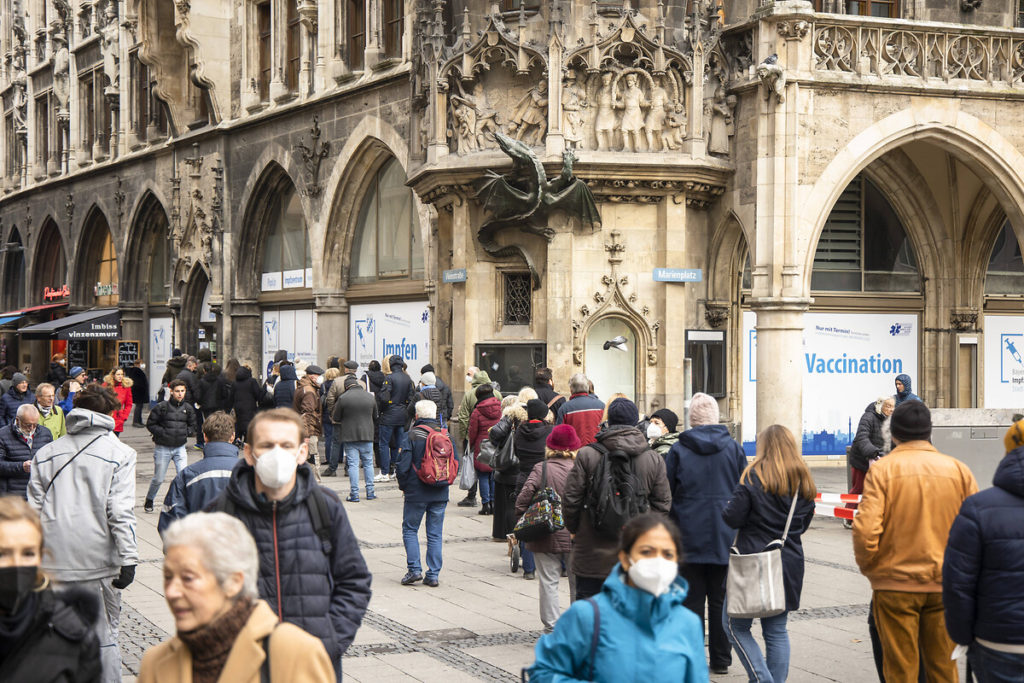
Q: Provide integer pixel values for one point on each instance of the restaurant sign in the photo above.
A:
(51, 293)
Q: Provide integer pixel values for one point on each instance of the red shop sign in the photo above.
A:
(49, 294)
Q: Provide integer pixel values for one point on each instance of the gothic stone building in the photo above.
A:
(802, 198)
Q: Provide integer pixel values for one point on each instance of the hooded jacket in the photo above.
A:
(393, 412)
(247, 394)
(174, 366)
(910, 500)
(983, 568)
(408, 481)
(868, 442)
(664, 443)
(375, 379)
(642, 638)
(447, 405)
(199, 484)
(583, 412)
(485, 415)
(557, 474)
(191, 385)
(87, 510)
(760, 518)
(428, 393)
(57, 374)
(214, 391)
(284, 388)
(11, 400)
(171, 423)
(140, 384)
(593, 554)
(469, 402)
(58, 641)
(703, 469)
(14, 453)
(124, 394)
(907, 394)
(530, 444)
(324, 595)
(307, 404)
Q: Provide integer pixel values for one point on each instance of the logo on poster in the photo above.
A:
(1011, 362)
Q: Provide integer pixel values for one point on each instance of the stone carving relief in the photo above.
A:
(773, 78)
(312, 157)
(719, 123)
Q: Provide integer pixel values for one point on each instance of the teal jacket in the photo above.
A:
(642, 638)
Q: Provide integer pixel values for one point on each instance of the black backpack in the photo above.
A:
(615, 492)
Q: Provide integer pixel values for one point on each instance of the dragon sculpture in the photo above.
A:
(525, 198)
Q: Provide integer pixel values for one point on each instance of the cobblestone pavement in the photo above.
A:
(482, 622)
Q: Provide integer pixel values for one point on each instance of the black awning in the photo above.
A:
(101, 323)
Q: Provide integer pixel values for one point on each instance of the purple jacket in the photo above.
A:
(558, 473)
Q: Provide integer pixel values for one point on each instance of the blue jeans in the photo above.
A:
(162, 456)
(412, 515)
(384, 439)
(529, 562)
(486, 480)
(992, 666)
(327, 441)
(359, 455)
(776, 642)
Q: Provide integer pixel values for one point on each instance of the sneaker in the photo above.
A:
(380, 478)
(371, 496)
(430, 581)
(352, 499)
(329, 472)
(467, 502)
(197, 447)
(719, 670)
(148, 507)
(529, 576)
(411, 578)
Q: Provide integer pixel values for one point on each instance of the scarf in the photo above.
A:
(27, 438)
(211, 644)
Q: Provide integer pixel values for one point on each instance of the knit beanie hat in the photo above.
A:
(18, 378)
(350, 381)
(668, 418)
(911, 421)
(563, 438)
(622, 411)
(428, 379)
(536, 409)
(703, 410)
(1014, 436)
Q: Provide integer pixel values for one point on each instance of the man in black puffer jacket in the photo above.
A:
(311, 570)
(983, 570)
(170, 423)
(393, 401)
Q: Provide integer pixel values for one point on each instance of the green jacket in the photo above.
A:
(54, 421)
(663, 444)
(469, 401)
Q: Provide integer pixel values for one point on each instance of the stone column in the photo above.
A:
(332, 325)
(246, 336)
(133, 326)
(779, 327)
(466, 296)
(672, 253)
(558, 285)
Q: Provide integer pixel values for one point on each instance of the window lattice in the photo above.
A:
(518, 299)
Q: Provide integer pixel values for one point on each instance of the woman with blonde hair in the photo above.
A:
(776, 485)
(122, 386)
(513, 413)
(44, 635)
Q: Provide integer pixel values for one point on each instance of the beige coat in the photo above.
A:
(295, 656)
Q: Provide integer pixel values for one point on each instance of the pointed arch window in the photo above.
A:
(1005, 266)
(864, 246)
(387, 243)
(14, 272)
(286, 252)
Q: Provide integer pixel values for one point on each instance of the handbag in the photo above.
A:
(506, 458)
(754, 587)
(544, 516)
(488, 452)
(467, 473)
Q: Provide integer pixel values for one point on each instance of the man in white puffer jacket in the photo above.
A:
(83, 486)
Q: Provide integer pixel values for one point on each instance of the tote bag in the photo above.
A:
(754, 588)
(544, 516)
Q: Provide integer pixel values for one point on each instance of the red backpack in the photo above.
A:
(439, 466)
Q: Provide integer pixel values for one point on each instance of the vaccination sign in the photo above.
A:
(382, 330)
(1004, 361)
(848, 361)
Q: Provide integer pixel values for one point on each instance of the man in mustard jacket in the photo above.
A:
(910, 500)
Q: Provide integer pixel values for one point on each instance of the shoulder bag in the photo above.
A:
(506, 459)
(544, 516)
(754, 585)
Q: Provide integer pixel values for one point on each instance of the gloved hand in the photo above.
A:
(125, 578)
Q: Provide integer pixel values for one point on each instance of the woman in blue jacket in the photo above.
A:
(759, 508)
(638, 611)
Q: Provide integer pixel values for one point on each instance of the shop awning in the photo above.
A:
(100, 323)
(9, 319)
(11, 316)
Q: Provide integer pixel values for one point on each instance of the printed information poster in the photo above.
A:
(849, 360)
(161, 339)
(1004, 361)
(381, 330)
(293, 331)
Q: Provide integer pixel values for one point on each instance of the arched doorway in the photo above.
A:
(50, 268)
(199, 325)
(98, 287)
(612, 370)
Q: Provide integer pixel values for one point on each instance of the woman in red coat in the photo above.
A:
(484, 416)
(122, 386)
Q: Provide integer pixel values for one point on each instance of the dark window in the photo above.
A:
(387, 243)
(1020, 15)
(513, 5)
(511, 365)
(13, 148)
(863, 246)
(867, 8)
(293, 49)
(518, 295)
(263, 26)
(356, 33)
(706, 351)
(43, 129)
(88, 98)
(1005, 265)
(14, 294)
(393, 23)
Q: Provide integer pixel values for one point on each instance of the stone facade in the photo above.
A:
(711, 135)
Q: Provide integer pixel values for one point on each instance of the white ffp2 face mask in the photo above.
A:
(276, 467)
(653, 574)
(653, 431)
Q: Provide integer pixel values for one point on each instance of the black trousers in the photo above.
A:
(707, 586)
(587, 586)
(137, 418)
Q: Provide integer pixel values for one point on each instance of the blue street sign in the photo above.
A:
(678, 275)
(457, 275)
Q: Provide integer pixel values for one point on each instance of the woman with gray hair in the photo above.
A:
(225, 632)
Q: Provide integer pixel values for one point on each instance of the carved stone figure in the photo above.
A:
(656, 116)
(574, 101)
(531, 114)
(632, 124)
(61, 65)
(604, 123)
(485, 117)
(721, 121)
(464, 117)
(773, 78)
(676, 123)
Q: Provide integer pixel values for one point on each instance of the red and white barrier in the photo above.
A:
(837, 498)
(834, 511)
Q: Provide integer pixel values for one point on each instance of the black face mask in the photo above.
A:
(16, 583)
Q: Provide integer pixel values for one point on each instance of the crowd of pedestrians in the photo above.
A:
(639, 514)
